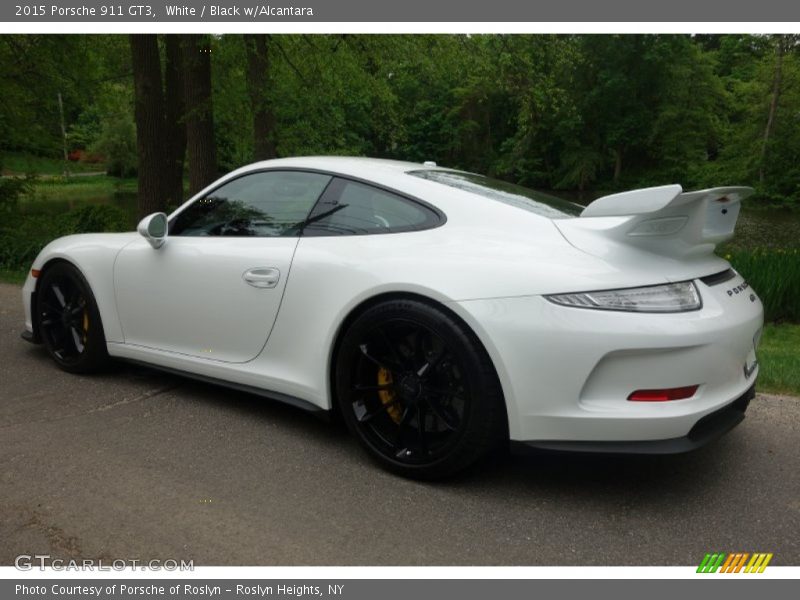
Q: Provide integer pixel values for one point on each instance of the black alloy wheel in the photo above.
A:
(68, 320)
(418, 390)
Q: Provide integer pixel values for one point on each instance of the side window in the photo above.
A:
(352, 208)
(265, 204)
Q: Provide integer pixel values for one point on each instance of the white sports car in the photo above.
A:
(440, 312)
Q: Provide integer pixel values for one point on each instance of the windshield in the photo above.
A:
(502, 191)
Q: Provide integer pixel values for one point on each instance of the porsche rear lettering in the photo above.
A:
(738, 289)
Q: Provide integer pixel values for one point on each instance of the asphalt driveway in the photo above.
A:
(134, 464)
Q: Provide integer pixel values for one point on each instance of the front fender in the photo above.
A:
(93, 254)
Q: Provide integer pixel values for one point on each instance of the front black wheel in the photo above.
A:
(68, 320)
(418, 390)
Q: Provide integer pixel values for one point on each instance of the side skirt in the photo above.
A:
(240, 387)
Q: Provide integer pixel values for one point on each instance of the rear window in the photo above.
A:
(502, 191)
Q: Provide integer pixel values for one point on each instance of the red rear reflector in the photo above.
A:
(35, 273)
(666, 395)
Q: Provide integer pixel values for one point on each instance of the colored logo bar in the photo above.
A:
(737, 562)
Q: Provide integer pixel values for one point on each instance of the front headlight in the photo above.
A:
(670, 297)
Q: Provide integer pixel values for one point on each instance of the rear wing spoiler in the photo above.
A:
(664, 220)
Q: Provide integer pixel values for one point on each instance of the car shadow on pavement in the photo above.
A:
(616, 475)
(617, 478)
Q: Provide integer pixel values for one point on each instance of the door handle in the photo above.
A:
(262, 277)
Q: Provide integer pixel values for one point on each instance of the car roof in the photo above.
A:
(355, 166)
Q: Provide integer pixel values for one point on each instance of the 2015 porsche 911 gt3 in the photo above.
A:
(440, 312)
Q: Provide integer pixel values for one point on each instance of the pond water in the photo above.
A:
(756, 228)
(767, 228)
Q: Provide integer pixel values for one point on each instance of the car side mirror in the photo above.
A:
(154, 229)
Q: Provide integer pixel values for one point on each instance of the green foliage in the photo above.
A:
(550, 111)
(779, 359)
(775, 276)
(117, 144)
(232, 114)
(23, 163)
(16, 276)
(23, 236)
(36, 69)
(86, 130)
(116, 139)
(11, 189)
(77, 189)
(95, 218)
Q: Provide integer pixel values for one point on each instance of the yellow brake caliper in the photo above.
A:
(387, 396)
(85, 325)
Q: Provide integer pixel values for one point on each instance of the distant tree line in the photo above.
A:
(572, 112)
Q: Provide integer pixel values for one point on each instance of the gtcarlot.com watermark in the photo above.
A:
(28, 562)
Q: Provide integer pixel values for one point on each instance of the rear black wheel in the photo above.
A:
(68, 320)
(418, 390)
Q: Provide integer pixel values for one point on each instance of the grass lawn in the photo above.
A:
(7, 276)
(779, 357)
(20, 163)
(77, 189)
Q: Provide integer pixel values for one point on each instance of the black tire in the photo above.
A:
(417, 389)
(68, 320)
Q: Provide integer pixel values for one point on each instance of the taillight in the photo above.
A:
(665, 298)
(665, 395)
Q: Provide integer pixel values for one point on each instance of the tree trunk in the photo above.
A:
(617, 163)
(773, 105)
(199, 115)
(258, 78)
(149, 114)
(174, 112)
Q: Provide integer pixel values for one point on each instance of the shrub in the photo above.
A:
(22, 238)
(96, 217)
(117, 143)
(11, 189)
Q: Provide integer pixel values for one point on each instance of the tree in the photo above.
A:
(258, 77)
(783, 43)
(548, 111)
(149, 114)
(36, 69)
(199, 111)
(174, 111)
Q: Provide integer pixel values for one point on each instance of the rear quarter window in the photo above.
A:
(354, 208)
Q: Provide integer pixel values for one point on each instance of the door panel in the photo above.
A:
(214, 288)
(193, 296)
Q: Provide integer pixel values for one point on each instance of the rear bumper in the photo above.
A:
(706, 430)
(567, 372)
